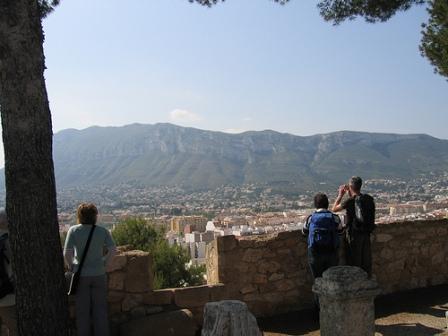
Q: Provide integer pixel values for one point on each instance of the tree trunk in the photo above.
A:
(41, 300)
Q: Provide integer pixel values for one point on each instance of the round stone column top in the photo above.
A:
(227, 305)
(345, 282)
(344, 274)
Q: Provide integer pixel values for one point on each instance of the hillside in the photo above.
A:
(165, 154)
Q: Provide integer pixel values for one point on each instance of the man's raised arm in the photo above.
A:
(337, 203)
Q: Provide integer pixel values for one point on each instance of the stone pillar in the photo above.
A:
(229, 318)
(346, 302)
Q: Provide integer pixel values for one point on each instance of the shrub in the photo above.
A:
(170, 262)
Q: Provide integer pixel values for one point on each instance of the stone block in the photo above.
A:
(227, 318)
(291, 242)
(243, 266)
(420, 236)
(159, 297)
(173, 323)
(226, 243)
(218, 292)
(131, 301)
(382, 237)
(260, 279)
(401, 254)
(438, 280)
(273, 297)
(246, 243)
(248, 289)
(267, 287)
(276, 276)
(268, 267)
(287, 234)
(437, 258)
(115, 296)
(269, 254)
(192, 296)
(149, 310)
(198, 315)
(277, 244)
(435, 249)
(253, 255)
(284, 251)
(116, 280)
(292, 295)
(285, 285)
(386, 253)
(117, 263)
(139, 272)
(261, 308)
(442, 231)
(252, 297)
(346, 301)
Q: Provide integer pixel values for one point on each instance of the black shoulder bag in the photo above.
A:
(74, 281)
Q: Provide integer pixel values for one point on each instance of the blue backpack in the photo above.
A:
(323, 235)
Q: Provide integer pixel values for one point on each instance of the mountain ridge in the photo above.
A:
(166, 154)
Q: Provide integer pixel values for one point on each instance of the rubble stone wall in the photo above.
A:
(270, 273)
(408, 255)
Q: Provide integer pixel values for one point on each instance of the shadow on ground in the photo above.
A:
(406, 330)
(419, 312)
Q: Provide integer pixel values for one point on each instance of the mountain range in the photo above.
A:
(165, 154)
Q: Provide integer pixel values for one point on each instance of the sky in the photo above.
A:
(241, 65)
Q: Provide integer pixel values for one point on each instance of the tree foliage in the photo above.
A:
(170, 262)
(47, 6)
(138, 233)
(434, 44)
(210, 3)
(372, 10)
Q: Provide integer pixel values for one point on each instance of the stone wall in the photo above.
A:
(270, 273)
(131, 295)
(130, 281)
(410, 255)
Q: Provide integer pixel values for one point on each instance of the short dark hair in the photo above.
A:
(87, 213)
(321, 201)
(356, 183)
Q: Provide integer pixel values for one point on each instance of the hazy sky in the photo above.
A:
(241, 65)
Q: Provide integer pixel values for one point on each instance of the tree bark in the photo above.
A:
(41, 300)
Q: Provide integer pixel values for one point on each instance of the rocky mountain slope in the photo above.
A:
(165, 154)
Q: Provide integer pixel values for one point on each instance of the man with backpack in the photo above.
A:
(360, 220)
(322, 227)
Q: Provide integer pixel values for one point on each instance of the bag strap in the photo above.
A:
(86, 249)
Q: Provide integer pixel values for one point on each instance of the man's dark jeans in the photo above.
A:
(320, 262)
(359, 252)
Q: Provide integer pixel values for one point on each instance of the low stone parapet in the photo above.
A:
(271, 273)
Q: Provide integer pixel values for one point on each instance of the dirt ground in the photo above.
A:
(415, 313)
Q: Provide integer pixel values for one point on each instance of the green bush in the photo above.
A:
(138, 233)
(170, 262)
